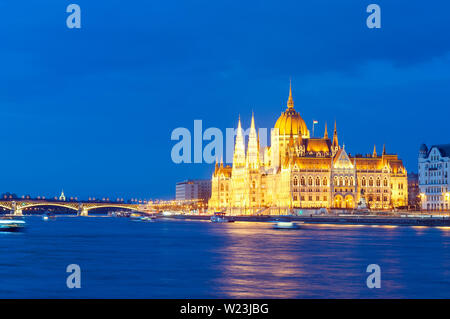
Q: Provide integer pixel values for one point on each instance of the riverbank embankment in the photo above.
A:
(333, 219)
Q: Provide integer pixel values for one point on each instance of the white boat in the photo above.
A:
(148, 219)
(220, 218)
(286, 225)
(11, 225)
(140, 218)
(168, 213)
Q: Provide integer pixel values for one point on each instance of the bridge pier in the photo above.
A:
(83, 212)
(18, 211)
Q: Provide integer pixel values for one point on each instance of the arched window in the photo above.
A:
(352, 181)
(341, 181)
(221, 187)
(324, 182)
(346, 181)
(370, 181)
(295, 181)
(378, 182)
(253, 184)
(310, 181)
(335, 181)
(385, 182)
(317, 181)
(363, 181)
(302, 181)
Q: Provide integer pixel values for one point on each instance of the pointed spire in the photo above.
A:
(290, 102)
(258, 142)
(335, 137)
(239, 147)
(221, 162)
(291, 147)
(252, 126)
(374, 154)
(253, 148)
(384, 149)
(216, 168)
(325, 135)
(299, 136)
(291, 138)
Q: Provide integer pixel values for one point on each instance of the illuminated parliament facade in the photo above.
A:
(299, 171)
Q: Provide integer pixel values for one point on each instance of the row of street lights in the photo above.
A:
(93, 199)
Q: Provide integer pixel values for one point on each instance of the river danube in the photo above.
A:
(120, 258)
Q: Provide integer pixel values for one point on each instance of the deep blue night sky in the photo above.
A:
(92, 110)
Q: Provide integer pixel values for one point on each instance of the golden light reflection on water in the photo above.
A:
(260, 262)
(253, 269)
(339, 225)
(320, 260)
(388, 226)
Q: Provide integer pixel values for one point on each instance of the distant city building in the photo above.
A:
(193, 189)
(62, 196)
(434, 173)
(413, 191)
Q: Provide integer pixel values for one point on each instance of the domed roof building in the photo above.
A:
(300, 171)
(290, 120)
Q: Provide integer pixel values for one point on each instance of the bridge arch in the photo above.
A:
(73, 207)
(5, 206)
(88, 208)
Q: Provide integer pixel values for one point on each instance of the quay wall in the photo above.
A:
(350, 220)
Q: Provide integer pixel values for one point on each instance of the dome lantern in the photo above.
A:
(290, 120)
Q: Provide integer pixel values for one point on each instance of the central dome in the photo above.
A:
(291, 121)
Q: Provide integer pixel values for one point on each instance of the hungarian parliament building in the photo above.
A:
(299, 171)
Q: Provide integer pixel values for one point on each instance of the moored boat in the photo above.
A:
(140, 218)
(220, 218)
(11, 225)
(168, 213)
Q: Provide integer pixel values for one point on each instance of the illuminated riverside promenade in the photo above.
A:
(385, 219)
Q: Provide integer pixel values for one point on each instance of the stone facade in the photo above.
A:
(300, 171)
(434, 177)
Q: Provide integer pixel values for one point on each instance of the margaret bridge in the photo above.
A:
(17, 206)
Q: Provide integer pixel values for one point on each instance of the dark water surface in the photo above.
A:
(120, 258)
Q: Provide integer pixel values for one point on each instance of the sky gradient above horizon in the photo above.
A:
(92, 110)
